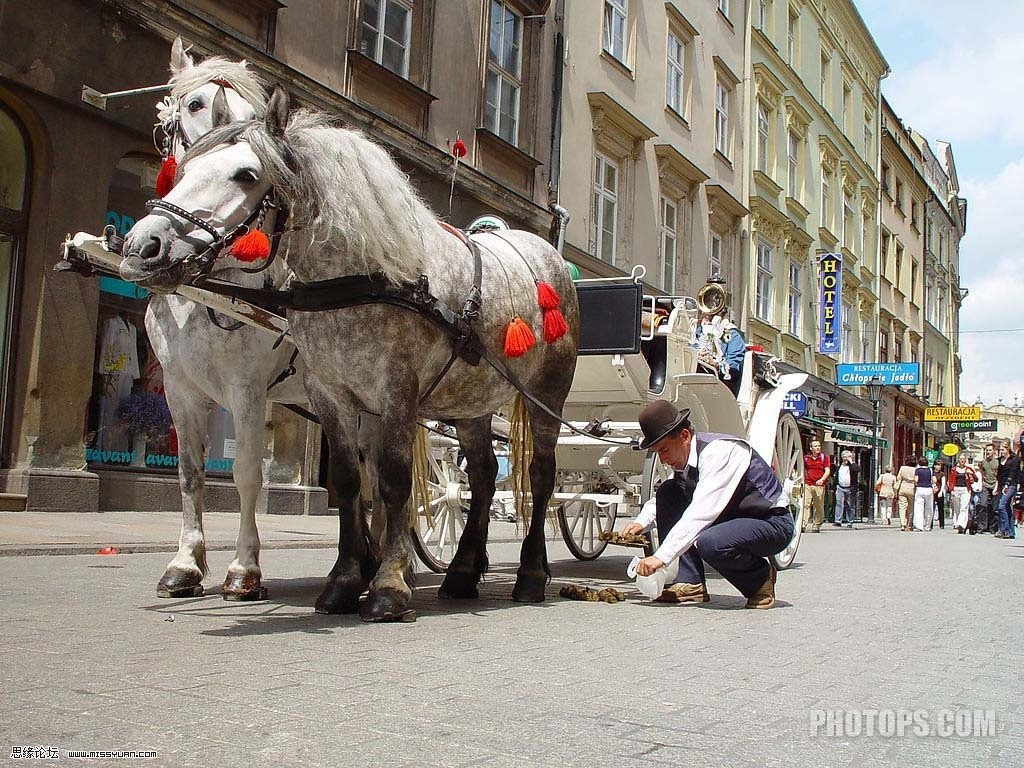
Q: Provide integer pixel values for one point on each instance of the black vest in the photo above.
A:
(757, 492)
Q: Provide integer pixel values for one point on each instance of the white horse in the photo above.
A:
(205, 365)
(357, 214)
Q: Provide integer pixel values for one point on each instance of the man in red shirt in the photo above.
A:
(816, 471)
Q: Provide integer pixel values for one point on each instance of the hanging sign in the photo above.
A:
(830, 266)
(955, 413)
(982, 425)
(857, 374)
(795, 403)
(950, 449)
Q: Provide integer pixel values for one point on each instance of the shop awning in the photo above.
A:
(845, 435)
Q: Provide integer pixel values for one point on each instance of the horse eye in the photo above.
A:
(195, 105)
(246, 176)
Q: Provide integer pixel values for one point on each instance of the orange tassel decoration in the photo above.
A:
(518, 338)
(554, 325)
(546, 296)
(251, 246)
(165, 179)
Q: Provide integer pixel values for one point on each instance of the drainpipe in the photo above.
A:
(745, 260)
(555, 155)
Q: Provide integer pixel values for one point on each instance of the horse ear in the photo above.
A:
(180, 60)
(220, 110)
(277, 111)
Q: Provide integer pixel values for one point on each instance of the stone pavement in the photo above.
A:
(870, 619)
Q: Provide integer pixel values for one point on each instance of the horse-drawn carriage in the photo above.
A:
(286, 162)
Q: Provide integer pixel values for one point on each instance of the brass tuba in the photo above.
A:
(711, 298)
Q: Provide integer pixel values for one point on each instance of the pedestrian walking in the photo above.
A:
(886, 490)
(846, 488)
(939, 493)
(985, 510)
(905, 483)
(922, 495)
(817, 469)
(961, 478)
(1008, 478)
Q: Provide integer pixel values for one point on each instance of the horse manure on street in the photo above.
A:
(591, 595)
(627, 540)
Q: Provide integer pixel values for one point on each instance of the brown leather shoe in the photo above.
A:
(684, 593)
(765, 596)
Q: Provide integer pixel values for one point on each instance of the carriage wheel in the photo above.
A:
(787, 459)
(655, 473)
(438, 529)
(581, 521)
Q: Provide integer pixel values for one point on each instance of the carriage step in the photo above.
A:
(13, 502)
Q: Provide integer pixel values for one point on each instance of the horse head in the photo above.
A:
(188, 113)
(222, 191)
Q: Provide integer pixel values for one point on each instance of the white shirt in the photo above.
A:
(723, 464)
(844, 476)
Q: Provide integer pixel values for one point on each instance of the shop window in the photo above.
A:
(14, 164)
(128, 422)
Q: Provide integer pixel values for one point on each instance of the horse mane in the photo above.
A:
(346, 193)
(235, 73)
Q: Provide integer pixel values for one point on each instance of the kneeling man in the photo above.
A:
(723, 506)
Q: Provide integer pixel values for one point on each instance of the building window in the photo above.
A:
(826, 197)
(883, 266)
(715, 256)
(929, 309)
(865, 342)
(385, 34)
(674, 74)
(667, 246)
(847, 353)
(847, 108)
(899, 195)
(793, 157)
(913, 282)
(913, 213)
(615, 28)
(898, 349)
(763, 298)
(869, 135)
(764, 12)
(929, 374)
(721, 118)
(723, 8)
(885, 178)
(940, 382)
(849, 230)
(826, 77)
(883, 346)
(796, 279)
(763, 125)
(504, 66)
(792, 38)
(899, 267)
(606, 180)
(941, 311)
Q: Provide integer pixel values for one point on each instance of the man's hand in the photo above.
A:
(820, 482)
(632, 529)
(648, 565)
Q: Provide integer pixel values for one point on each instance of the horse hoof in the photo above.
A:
(528, 591)
(180, 583)
(340, 596)
(386, 605)
(459, 586)
(243, 587)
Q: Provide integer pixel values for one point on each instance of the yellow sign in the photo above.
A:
(950, 449)
(958, 413)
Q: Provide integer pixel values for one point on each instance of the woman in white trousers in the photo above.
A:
(961, 478)
(924, 508)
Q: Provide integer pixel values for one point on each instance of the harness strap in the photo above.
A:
(287, 372)
(213, 319)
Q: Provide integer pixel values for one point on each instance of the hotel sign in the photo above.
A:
(830, 339)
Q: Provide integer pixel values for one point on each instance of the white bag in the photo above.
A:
(651, 586)
(976, 486)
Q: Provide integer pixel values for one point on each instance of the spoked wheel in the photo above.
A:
(788, 464)
(438, 528)
(655, 473)
(583, 520)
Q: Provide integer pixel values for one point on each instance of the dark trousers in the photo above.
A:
(940, 510)
(736, 548)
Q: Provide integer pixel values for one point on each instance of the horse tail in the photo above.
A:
(520, 449)
(420, 496)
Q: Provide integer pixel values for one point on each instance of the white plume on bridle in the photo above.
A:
(346, 193)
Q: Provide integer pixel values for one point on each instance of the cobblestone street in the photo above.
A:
(869, 619)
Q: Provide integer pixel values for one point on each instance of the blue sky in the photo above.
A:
(958, 76)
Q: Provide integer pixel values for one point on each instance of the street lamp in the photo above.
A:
(875, 387)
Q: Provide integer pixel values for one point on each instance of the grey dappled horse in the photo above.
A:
(205, 365)
(355, 212)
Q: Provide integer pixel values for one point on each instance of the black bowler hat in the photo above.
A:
(658, 419)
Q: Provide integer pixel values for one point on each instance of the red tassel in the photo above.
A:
(459, 148)
(518, 338)
(251, 246)
(165, 179)
(554, 325)
(546, 296)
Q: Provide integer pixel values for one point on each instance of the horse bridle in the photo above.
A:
(200, 263)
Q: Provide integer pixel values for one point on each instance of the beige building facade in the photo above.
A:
(653, 153)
